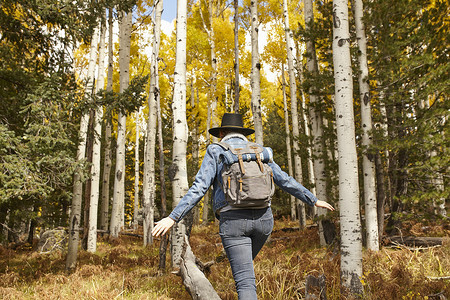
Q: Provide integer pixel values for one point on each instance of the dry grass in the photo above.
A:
(123, 269)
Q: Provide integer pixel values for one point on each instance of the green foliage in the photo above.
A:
(126, 102)
(37, 107)
(409, 62)
(37, 166)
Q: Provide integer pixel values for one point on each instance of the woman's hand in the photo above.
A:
(324, 204)
(162, 226)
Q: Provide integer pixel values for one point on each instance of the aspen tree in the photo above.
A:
(370, 197)
(104, 213)
(118, 207)
(316, 118)
(236, 56)
(294, 111)
(206, 197)
(150, 145)
(136, 171)
(75, 213)
(178, 169)
(195, 143)
(96, 155)
(351, 247)
(288, 141)
(212, 47)
(310, 162)
(255, 79)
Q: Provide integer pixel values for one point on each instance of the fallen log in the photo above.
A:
(197, 285)
(415, 241)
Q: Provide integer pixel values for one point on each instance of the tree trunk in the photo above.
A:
(381, 195)
(370, 198)
(213, 61)
(255, 76)
(75, 213)
(136, 172)
(162, 179)
(236, 56)
(195, 281)
(311, 177)
(87, 186)
(96, 151)
(387, 154)
(149, 164)
(294, 112)
(178, 168)
(288, 143)
(164, 238)
(118, 207)
(104, 214)
(351, 247)
(206, 197)
(316, 119)
(195, 143)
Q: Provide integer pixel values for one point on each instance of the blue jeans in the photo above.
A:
(243, 233)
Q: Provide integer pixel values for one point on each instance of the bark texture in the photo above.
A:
(96, 154)
(178, 169)
(118, 207)
(316, 119)
(255, 79)
(149, 187)
(75, 213)
(370, 197)
(351, 247)
(195, 281)
(104, 213)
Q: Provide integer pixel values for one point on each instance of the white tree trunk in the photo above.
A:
(96, 150)
(162, 179)
(206, 197)
(104, 214)
(294, 111)
(255, 76)
(351, 248)
(150, 146)
(180, 133)
(213, 60)
(370, 196)
(316, 119)
(136, 171)
(236, 56)
(288, 142)
(195, 142)
(75, 213)
(311, 177)
(118, 207)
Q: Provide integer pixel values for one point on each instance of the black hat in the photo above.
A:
(231, 122)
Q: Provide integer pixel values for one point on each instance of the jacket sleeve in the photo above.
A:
(290, 185)
(202, 182)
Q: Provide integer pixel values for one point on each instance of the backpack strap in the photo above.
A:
(250, 151)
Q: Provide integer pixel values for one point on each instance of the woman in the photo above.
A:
(243, 231)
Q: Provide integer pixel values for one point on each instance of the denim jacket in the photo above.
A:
(209, 174)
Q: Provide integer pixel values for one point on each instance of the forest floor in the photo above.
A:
(124, 269)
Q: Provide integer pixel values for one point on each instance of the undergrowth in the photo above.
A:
(124, 269)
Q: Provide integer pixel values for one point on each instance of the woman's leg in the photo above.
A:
(239, 253)
(262, 228)
(243, 234)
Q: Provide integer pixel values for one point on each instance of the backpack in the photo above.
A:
(247, 179)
